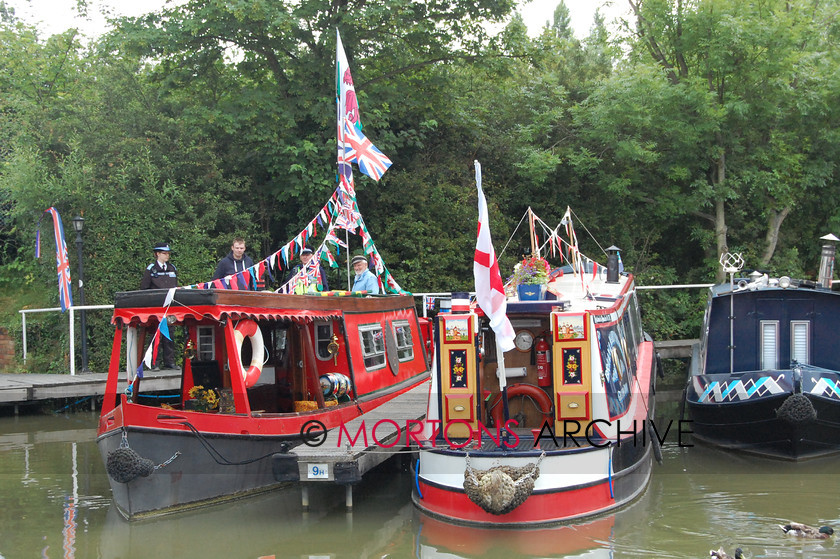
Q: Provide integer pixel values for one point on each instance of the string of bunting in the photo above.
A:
(340, 212)
(580, 263)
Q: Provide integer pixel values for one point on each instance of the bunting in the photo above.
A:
(341, 210)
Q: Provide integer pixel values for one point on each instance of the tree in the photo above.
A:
(753, 59)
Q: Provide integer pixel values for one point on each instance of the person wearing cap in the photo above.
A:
(236, 261)
(365, 280)
(161, 274)
(317, 279)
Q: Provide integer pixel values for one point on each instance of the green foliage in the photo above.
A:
(670, 314)
(215, 118)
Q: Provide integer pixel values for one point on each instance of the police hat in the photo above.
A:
(306, 250)
(162, 247)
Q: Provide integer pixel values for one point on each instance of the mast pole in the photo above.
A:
(347, 242)
(535, 250)
(731, 263)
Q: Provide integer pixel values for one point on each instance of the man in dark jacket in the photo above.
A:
(236, 261)
(161, 274)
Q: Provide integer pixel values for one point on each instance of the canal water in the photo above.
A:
(55, 503)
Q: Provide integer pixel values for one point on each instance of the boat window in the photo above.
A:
(373, 346)
(635, 320)
(279, 339)
(323, 337)
(769, 344)
(206, 343)
(405, 347)
(799, 341)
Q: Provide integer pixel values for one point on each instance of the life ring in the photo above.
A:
(250, 329)
(539, 396)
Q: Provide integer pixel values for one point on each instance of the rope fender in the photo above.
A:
(796, 410)
(500, 489)
(125, 465)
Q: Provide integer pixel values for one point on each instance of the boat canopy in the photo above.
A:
(144, 307)
(144, 316)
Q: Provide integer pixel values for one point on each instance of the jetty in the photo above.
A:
(350, 451)
(18, 389)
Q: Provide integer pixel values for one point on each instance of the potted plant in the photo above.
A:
(203, 399)
(530, 278)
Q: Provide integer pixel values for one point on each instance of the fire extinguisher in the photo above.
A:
(543, 359)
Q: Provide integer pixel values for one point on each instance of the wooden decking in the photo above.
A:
(675, 349)
(18, 389)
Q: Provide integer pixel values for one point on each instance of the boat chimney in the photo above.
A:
(612, 264)
(827, 261)
(460, 302)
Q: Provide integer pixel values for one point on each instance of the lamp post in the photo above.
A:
(78, 225)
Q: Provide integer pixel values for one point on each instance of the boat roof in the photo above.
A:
(142, 307)
(575, 294)
(766, 283)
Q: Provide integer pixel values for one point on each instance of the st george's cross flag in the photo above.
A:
(489, 288)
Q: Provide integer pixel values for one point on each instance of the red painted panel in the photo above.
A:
(540, 507)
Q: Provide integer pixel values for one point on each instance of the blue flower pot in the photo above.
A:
(530, 292)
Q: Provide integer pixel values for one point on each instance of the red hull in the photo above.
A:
(542, 508)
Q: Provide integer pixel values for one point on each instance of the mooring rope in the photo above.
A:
(216, 455)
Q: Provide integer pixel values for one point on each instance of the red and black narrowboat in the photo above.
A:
(310, 358)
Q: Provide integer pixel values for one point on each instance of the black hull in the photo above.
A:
(195, 477)
(756, 427)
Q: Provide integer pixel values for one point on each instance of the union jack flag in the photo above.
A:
(358, 149)
(62, 264)
(348, 217)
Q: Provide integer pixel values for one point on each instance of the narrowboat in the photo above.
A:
(765, 377)
(315, 359)
(313, 363)
(557, 429)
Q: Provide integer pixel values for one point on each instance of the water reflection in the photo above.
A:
(56, 503)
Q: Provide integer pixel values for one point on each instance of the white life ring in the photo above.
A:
(250, 329)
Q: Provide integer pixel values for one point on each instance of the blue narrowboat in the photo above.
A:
(765, 377)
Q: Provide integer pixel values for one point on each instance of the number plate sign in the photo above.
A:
(318, 471)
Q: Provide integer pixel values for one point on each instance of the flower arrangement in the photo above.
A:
(204, 398)
(531, 271)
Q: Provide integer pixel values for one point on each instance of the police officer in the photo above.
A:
(161, 274)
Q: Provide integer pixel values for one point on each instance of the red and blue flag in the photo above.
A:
(62, 264)
(358, 149)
